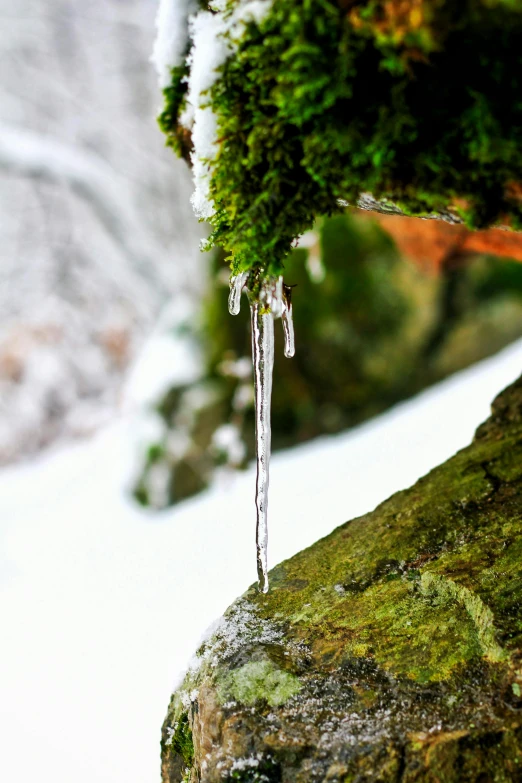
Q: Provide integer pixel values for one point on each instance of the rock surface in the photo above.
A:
(391, 650)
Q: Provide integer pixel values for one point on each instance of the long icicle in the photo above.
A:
(263, 360)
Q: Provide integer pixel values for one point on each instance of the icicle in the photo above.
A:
(273, 300)
(276, 301)
(288, 329)
(288, 323)
(263, 360)
(236, 287)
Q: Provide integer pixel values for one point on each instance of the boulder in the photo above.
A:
(391, 650)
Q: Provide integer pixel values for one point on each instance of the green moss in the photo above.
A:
(421, 640)
(398, 638)
(417, 103)
(181, 741)
(141, 495)
(174, 101)
(426, 609)
(258, 681)
(155, 453)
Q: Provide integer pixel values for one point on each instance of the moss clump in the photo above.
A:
(181, 741)
(415, 101)
(174, 101)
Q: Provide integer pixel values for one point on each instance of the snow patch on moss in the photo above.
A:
(214, 37)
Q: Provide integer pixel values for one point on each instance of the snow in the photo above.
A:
(204, 134)
(171, 357)
(102, 605)
(209, 50)
(214, 38)
(226, 440)
(171, 37)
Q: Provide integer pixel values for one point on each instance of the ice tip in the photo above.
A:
(263, 585)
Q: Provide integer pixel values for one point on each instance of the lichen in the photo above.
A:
(447, 590)
(258, 681)
(251, 770)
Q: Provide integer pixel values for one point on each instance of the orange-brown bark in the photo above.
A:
(433, 242)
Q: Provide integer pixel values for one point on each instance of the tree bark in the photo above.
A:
(390, 650)
(434, 241)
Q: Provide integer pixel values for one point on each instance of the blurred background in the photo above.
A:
(126, 388)
(97, 233)
(104, 293)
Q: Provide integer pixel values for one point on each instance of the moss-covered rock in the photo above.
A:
(390, 650)
(414, 101)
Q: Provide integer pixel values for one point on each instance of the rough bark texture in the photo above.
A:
(389, 651)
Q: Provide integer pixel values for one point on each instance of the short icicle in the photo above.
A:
(263, 360)
(236, 287)
(288, 323)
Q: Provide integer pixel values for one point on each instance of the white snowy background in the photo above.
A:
(102, 604)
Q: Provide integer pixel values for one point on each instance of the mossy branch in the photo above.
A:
(415, 102)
